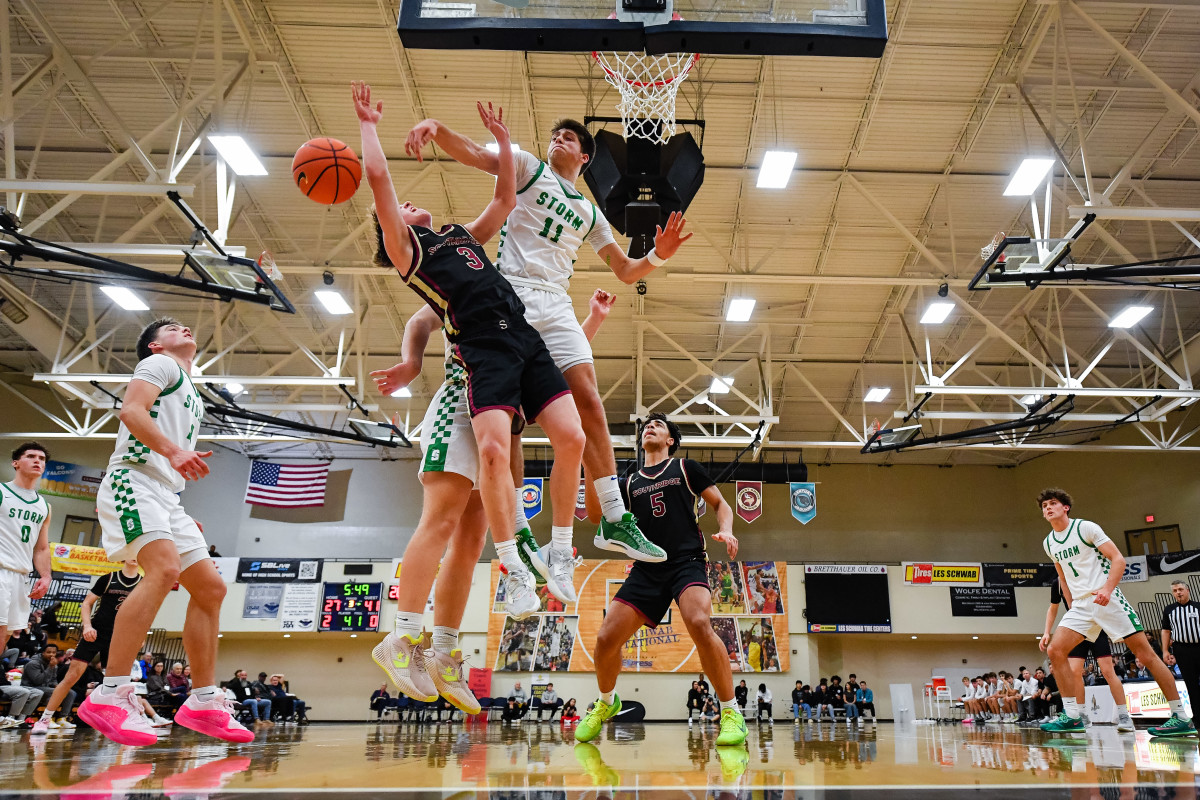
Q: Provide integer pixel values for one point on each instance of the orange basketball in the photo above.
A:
(327, 170)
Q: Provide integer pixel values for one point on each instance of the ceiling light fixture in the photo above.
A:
(125, 298)
(1028, 177)
(403, 391)
(237, 154)
(333, 301)
(877, 394)
(1130, 316)
(740, 309)
(234, 388)
(776, 169)
(936, 312)
(720, 385)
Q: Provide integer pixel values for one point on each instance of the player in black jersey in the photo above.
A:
(508, 366)
(663, 496)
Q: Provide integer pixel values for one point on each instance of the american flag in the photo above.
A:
(287, 485)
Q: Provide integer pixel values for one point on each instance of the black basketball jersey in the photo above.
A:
(112, 589)
(452, 273)
(665, 500)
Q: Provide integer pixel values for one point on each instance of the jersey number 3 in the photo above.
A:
(472, 260)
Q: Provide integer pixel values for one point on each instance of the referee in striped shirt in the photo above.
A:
(1181, 628)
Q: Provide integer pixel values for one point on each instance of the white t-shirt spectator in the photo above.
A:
(763, 697)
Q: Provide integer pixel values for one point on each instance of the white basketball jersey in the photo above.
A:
(541, 238)
(22, 512)
(1077, 551)
(177, 412)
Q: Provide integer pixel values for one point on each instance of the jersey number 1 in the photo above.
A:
(545, 231)
(1072, 566)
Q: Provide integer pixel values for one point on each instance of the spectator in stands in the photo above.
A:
(864, 699)
(820, 698)
(741, 694)
(569, 712)
(518, 694)
(711, 708)
(177, 684)
(834, 696)
(284, 704)
(23, 700)
(143, 667)
(380, 699)
(694, 701)
(42, 673)
(1090, 678)
(1140, 671)
(156, 686)
(852, 684)
(187, 674)
(62, 663)
(1028, 687)
(1172, 665)
(512, 711)
(800, 703)
(762, 699)
(550, 700)
(245, 693)
(212, 551)
(848, 698)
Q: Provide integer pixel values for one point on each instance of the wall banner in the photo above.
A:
(278, 570)
(983, 601)
(1173, 563)
(943, 574)
(298, 612)
(531, 497)
(80, 560)
(748, 502)
(804, 501)
(262, 601)
(1019, 575)
(63, 479)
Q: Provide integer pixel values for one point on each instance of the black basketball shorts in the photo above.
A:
(511, 369)
(85, 651)
(1099, 648)
(649, 589)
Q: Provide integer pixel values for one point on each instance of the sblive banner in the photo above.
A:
(1019, 575)
(749, 615)
(278, 570)
(983, 601)
(943, 573)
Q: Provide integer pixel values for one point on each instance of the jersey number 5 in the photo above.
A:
(472, 260)
(657, 506)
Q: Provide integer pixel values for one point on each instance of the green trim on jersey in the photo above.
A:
(174, 386)
(595, 216)
(536, 175)
(125, 504)
(571, 193)
(36, 497)
(1067, 533)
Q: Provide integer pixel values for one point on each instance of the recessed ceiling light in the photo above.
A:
(402, 392)
(354, 636)
(914, 636)
(776, 169)
(720, 386)
(238, 155)
(1028, 177)
(333, 301)
(1030, 399)
(234, 388)
(877, 394)
(287, 636)
(740, 309)
(495, 148)
(974, 637)
(936, 312)
(125, 298)
(1130, 316)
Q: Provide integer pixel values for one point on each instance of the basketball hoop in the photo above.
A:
(986, 252)
(648, 85)
(266, 261)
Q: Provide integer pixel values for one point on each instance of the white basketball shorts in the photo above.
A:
(1117, 619)
(14, 600)
(135, 509)
(551, 314)
(447, 439)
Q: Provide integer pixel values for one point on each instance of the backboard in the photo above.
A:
(1008, 257)
(852, 28)
(242, 278)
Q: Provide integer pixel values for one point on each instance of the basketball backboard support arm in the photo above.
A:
(432, 25)
(1008, 261)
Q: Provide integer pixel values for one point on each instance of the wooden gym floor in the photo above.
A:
(659, 760)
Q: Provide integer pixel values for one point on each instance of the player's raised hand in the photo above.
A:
(190, 463)
(493, 120)
(421, 135)
(601, 303)
(40, 588)
(394, 378)
(730, 541)
(667, 240)
(361, 92)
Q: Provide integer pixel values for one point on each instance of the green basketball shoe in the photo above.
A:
(593, 720)
(527, 549)
(625, 537)
(1174, 727)
(733, 728)
(1065, 724)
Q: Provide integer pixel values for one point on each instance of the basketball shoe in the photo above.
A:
(1064, 724)
(446, 670)
(213, 716)
(118, 716)
(531, 556)
(520, 594)
(733, 761)
(402, 658)
(588, 756)
(594, 719)
(733, 728)
(1175, 726)
(199, 781)
(560, 571)
(1125, 723)
(625, 537)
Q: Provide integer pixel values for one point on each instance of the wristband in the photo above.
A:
(653, 258)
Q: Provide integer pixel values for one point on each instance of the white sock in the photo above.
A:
(1071, 707)
(507, 551)
(519, 518)
(561, 535)
(111, 684)
(607, 697)
(1122, 711)
(445, 640)
(731, 703)
(1177, 708)
(203, 694)
(408, 623)
(609, 492)
(47, 715)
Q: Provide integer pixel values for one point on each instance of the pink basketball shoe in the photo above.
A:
(213, 717)
(118, 716)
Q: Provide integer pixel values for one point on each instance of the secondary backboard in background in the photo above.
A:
(852, 28)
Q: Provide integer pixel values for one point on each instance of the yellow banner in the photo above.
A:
(750, 616)
(944, 574)
(81, 560)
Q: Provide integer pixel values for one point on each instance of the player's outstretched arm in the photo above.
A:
(666, 243)
(135, 413)
(598, 308)
(41, 559)
(459, 147)
(504, 198)
(387, 208)
(420, 327)
(713, 497)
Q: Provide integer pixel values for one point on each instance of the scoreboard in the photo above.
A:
(351, 607)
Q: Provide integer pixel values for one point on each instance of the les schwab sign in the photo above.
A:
(942, 574)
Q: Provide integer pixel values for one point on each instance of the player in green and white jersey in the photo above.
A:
(1090, 566)
(24, 539)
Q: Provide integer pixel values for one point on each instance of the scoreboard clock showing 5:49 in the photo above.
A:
(351, 607)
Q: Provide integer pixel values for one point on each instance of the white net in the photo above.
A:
(648, 85)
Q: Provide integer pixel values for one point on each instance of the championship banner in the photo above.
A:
(1136, 570)
(750, 616)
(531, 497)
(63, 479)
(749, 500)
(1019, 575)
(943, 574)
(581, 502)
(1174, 563)
(804, 501)
(80, 560)
(983, 601)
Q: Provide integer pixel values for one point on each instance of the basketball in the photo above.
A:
(327, 171)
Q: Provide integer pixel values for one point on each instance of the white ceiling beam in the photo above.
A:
(245, 380)
(1153, 213)
(1061, 391)
(38, 186)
